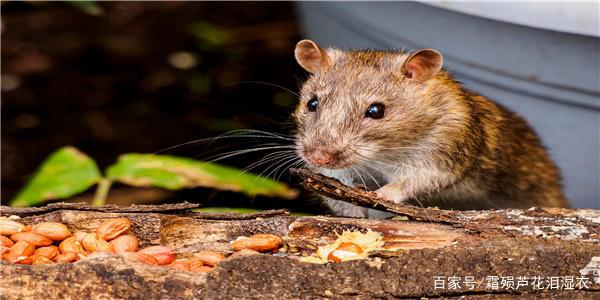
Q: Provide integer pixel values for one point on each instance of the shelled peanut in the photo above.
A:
(344, 252)
(205, 261)
(53, 242)
(258, 242)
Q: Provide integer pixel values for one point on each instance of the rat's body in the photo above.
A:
(399, 124)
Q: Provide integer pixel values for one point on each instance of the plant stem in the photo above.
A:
(101, 192)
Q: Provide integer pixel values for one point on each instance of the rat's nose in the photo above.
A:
(321, 157)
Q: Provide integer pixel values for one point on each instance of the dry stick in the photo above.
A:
(334, 189)
(174, 208)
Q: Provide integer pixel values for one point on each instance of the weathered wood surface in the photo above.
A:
(535, 242)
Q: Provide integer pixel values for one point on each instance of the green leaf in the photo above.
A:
(64, 173)
(175, 173)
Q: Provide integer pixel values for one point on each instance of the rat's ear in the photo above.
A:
(422, 64)
(310, 56)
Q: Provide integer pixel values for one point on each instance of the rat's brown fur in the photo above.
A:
(437, 145)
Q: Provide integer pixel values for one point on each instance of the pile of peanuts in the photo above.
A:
(53, 242)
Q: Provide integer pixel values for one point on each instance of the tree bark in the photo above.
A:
(421, 244)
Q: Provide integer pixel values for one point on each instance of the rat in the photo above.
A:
(399, 124)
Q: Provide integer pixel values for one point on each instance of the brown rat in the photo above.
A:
(399, 124)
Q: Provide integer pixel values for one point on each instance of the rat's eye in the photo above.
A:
(312, 104)
(375, 111)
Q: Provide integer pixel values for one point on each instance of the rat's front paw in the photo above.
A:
(392, 193)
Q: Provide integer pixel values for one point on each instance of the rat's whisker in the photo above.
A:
(213, 152)
(274, 134)
(298, 162)
(360, 177)
(220, 154)
(369, 164)
(268, 84)
(273, 165)
(265, 145)
(371, 176)
(382, 168)
(264, 160)
(267, 158)
(278, 155)
(245, 151)
(423, 208)
(248, 133)
(232, 134)
(284, 167)
(286, 161)
(202, 140)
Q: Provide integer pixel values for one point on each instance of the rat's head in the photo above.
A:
(359, 106)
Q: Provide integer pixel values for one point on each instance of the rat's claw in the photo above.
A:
(391, 193)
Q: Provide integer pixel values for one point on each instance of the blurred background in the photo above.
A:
(120, 77)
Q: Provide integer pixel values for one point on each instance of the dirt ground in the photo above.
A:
(140, 77)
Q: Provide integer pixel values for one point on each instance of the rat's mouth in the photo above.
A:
(325, 158)
(329, 166)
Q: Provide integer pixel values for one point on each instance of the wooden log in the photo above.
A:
(545, 222)
(423, 248)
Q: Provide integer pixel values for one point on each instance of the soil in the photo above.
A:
(109, 83)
